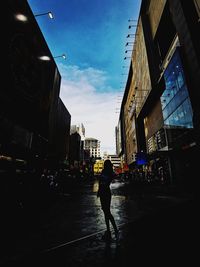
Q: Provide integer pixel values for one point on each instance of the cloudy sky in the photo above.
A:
(93, 35)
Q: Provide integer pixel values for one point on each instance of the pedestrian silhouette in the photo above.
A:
(104, 193)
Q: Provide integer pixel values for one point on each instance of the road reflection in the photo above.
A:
(75, 217)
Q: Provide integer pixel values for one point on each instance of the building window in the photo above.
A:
(176, 106)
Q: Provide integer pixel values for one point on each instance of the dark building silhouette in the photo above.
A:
(33, 119)
(75, 149)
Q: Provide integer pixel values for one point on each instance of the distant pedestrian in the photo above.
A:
(104, 193)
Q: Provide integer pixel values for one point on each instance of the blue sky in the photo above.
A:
(92, 34)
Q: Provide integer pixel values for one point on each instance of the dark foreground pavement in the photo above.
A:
(168, 237)
(163, 232)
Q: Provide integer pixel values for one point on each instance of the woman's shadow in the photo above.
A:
(112, 252)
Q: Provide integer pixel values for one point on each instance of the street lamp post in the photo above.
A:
(132, 26)
(49, 13)
(129, 43)
(63, 56)
(131, 35)
(47, 58)
(132, 20)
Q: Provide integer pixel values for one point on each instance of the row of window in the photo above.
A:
(176, 106)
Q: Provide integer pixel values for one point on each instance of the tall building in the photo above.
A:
(77, 137)
(75, 149)
(116, 161)
(80, 129)
(93, 145)
(160, 111)
(34, 121)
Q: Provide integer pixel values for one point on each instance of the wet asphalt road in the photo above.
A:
(69, 233)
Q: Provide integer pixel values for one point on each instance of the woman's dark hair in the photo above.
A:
(108, 167)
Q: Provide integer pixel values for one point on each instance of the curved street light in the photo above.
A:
(132, 26)
(131, 35)
(63, 56)
(49, 13)
(47, 58)
(129, 43)
(132, 20)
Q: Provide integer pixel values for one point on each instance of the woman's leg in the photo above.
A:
(111, 218)
(105, 203)
(107, 220)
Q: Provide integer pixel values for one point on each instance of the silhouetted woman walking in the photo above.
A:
(104, 193)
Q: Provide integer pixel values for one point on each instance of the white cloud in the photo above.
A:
(91, 102)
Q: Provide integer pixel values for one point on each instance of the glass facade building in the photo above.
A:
(176, 106)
